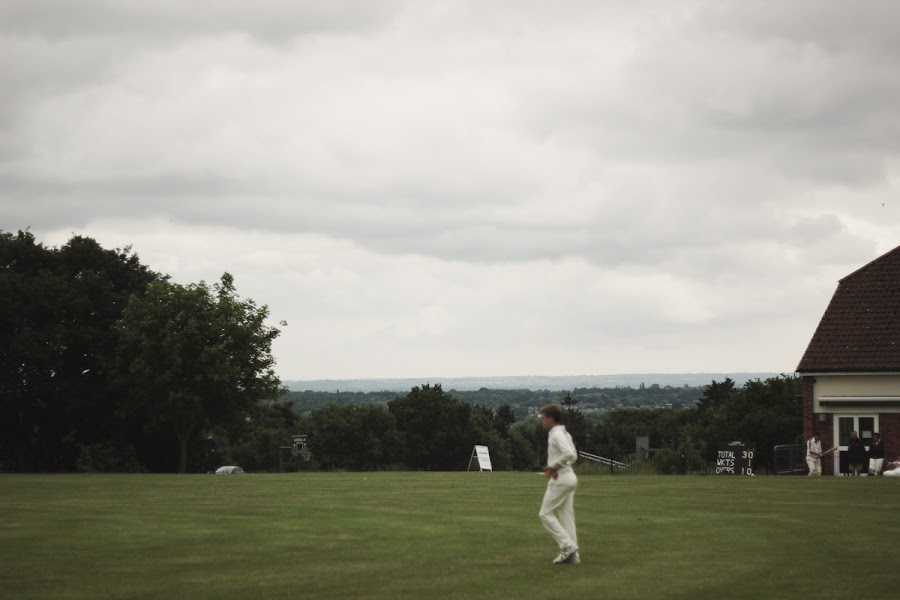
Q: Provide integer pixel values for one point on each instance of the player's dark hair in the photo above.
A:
(554, 411)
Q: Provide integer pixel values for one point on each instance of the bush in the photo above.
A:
(101, 458)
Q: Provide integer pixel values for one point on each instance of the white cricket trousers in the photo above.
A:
(875, 465)
(815, 466)
(558, 509)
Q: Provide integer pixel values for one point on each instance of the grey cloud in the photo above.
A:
(864, 26)
(690, 92)
(275, 20)
(47, 47)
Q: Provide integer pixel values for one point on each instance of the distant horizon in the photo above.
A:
(533, 382)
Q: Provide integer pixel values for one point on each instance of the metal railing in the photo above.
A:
(602, 460)
(790, 459)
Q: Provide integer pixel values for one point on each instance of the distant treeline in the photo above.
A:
(430, 429)
(594, 403)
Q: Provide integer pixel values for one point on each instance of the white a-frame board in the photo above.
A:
(483, 456)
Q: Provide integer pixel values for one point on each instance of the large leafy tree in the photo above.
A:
(766, 412)
(503, 417)
(355, 437)
(194, 357)
(575, 423)
(716, 394)
(28, 291)
(58, 307)
(528, 444)
(255, 441)
(487, 431)
(435, 427)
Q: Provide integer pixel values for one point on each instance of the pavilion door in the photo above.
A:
(864, 425)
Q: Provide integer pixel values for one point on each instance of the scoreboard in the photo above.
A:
(735, 458)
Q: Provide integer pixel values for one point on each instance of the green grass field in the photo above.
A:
(443, 535)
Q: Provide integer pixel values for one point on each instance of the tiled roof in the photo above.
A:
(860, 330)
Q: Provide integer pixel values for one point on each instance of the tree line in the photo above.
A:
(431, 429)
(595, 403)
(106, 365)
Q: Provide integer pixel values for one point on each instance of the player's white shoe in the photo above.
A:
(567, 556)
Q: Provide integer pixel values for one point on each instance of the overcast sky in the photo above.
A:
(465, 188)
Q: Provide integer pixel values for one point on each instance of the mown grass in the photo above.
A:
(443, 535)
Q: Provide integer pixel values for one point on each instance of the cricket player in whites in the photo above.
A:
(558, 508)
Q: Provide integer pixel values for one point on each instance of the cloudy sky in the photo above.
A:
(465, 188)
